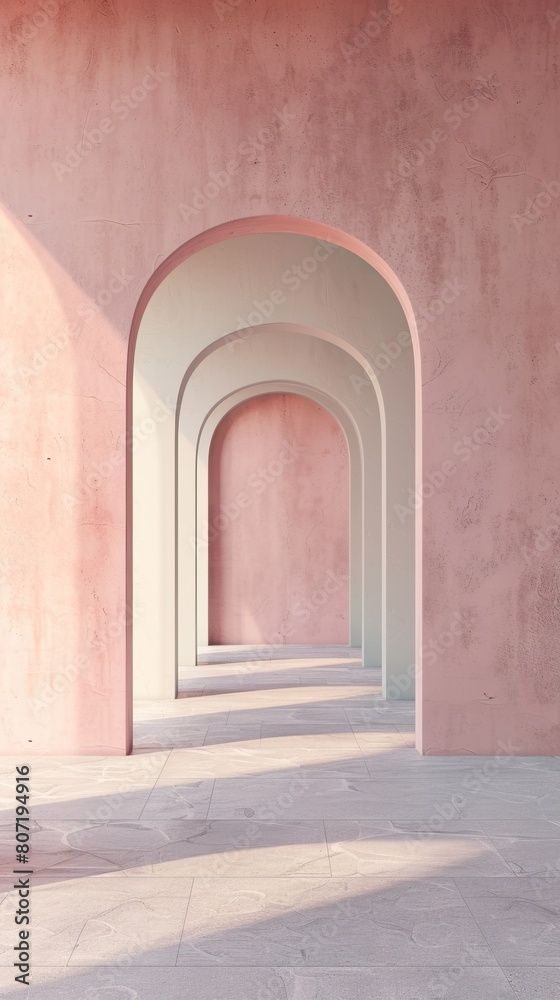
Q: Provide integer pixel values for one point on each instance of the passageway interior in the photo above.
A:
(312, 698)
(209, 367)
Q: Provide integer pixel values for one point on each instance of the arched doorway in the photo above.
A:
(363, 424)
(278, 525)
(297, 355)
(345, 296)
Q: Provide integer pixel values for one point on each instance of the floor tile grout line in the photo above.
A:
(167, 752)
(524, 836)
(327, 846)
(514, 993)
(211, 797)
(181, 935)
(522, 875)
(506, 862)
(466, 902)
(361, 749)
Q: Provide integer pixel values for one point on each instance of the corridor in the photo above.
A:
(275, 834)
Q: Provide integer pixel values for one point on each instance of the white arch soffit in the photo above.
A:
(285, 350)
(353, 444)
(346, 301)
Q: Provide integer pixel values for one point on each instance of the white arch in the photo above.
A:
(344, 301)
(356, 488)
(295, 357)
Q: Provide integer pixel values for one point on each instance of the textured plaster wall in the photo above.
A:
(279, 572)
(133, 127)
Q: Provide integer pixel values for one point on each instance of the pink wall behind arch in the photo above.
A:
(279, 524)
(478, 209)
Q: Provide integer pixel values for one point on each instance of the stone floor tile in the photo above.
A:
(535, 984)
(175, 847)
(152, 734)
(209, 762)
(536, 826)
(302, 797)
(519, 917)
(275, 736)
(362, 848)
(330, 922)
(101, 921)
(189, 800)
(530, 855)
(316, 714)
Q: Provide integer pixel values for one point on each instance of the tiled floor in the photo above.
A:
(275, 836)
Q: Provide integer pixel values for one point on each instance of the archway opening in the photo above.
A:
(278, 525)
(344, 297)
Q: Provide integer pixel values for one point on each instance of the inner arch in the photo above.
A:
(278, 525)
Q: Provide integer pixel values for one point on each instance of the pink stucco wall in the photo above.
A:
(432, 137)
(278, 524)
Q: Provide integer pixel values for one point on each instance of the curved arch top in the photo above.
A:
(350, 426)
(292, 224)
(190, 310)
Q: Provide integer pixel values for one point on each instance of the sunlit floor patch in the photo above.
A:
(282, 838)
